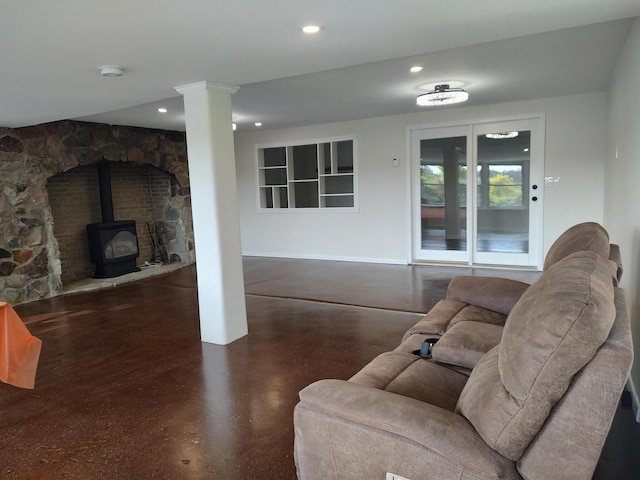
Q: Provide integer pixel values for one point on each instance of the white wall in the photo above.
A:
(575, 151)
(622, 187)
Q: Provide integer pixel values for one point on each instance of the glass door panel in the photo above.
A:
(441, 204)
(503, 225)
(503, 216)
(443, 187)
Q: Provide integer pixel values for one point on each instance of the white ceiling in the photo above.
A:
(356, 67)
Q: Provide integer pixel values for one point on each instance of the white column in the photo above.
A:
(214, 204)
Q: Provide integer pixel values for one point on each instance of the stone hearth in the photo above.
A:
(30, 259)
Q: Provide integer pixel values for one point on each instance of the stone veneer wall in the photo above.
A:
(30, 260)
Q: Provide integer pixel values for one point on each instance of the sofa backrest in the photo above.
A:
(616, 258)
(553, 331)
(569, 444)
(587, 236)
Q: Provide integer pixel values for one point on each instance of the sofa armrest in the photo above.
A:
(446, 436)
(435, 322)
(493, 293)
(465, 343)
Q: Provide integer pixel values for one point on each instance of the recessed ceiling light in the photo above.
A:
(162, 110)
(234, 127)
(416, 69)
(311, 29)
(258, 124)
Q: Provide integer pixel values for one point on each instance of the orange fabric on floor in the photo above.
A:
(19, 350)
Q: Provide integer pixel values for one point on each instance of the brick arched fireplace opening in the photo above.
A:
(49, 193)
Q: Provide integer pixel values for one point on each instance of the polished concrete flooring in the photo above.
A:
(126, 390)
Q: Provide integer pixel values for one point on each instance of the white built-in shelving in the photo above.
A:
(308, 175)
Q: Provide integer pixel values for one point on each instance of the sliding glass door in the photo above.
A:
(477, 196)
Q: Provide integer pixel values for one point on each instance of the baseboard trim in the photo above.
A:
(302, 256)
(635, 400)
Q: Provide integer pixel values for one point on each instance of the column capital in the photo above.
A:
(205, 85)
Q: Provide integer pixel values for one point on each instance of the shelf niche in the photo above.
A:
(309, 176)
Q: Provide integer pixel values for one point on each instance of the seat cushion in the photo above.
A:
(414, 377)
(466, 342)
(551, 333)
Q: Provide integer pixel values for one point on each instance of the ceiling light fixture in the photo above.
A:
(416, 69)
(442, 95)
(234, 127)
(311, 29)
(258, 124)
(162, 110)
(111, 71)
(502, 135)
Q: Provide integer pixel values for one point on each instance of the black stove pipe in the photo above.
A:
(106, 198)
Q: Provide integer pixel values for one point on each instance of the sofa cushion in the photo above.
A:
(437, 320)
(446, 313)
(466, 342)
(587, 236)
(414, 377)
(551, 333)
(491, 293)
(473, 313)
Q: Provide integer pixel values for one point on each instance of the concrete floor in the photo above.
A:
(126, 390)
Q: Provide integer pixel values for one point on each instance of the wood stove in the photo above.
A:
(113, 245)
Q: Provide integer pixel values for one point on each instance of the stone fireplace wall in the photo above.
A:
(140, 192)
(32, 231)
